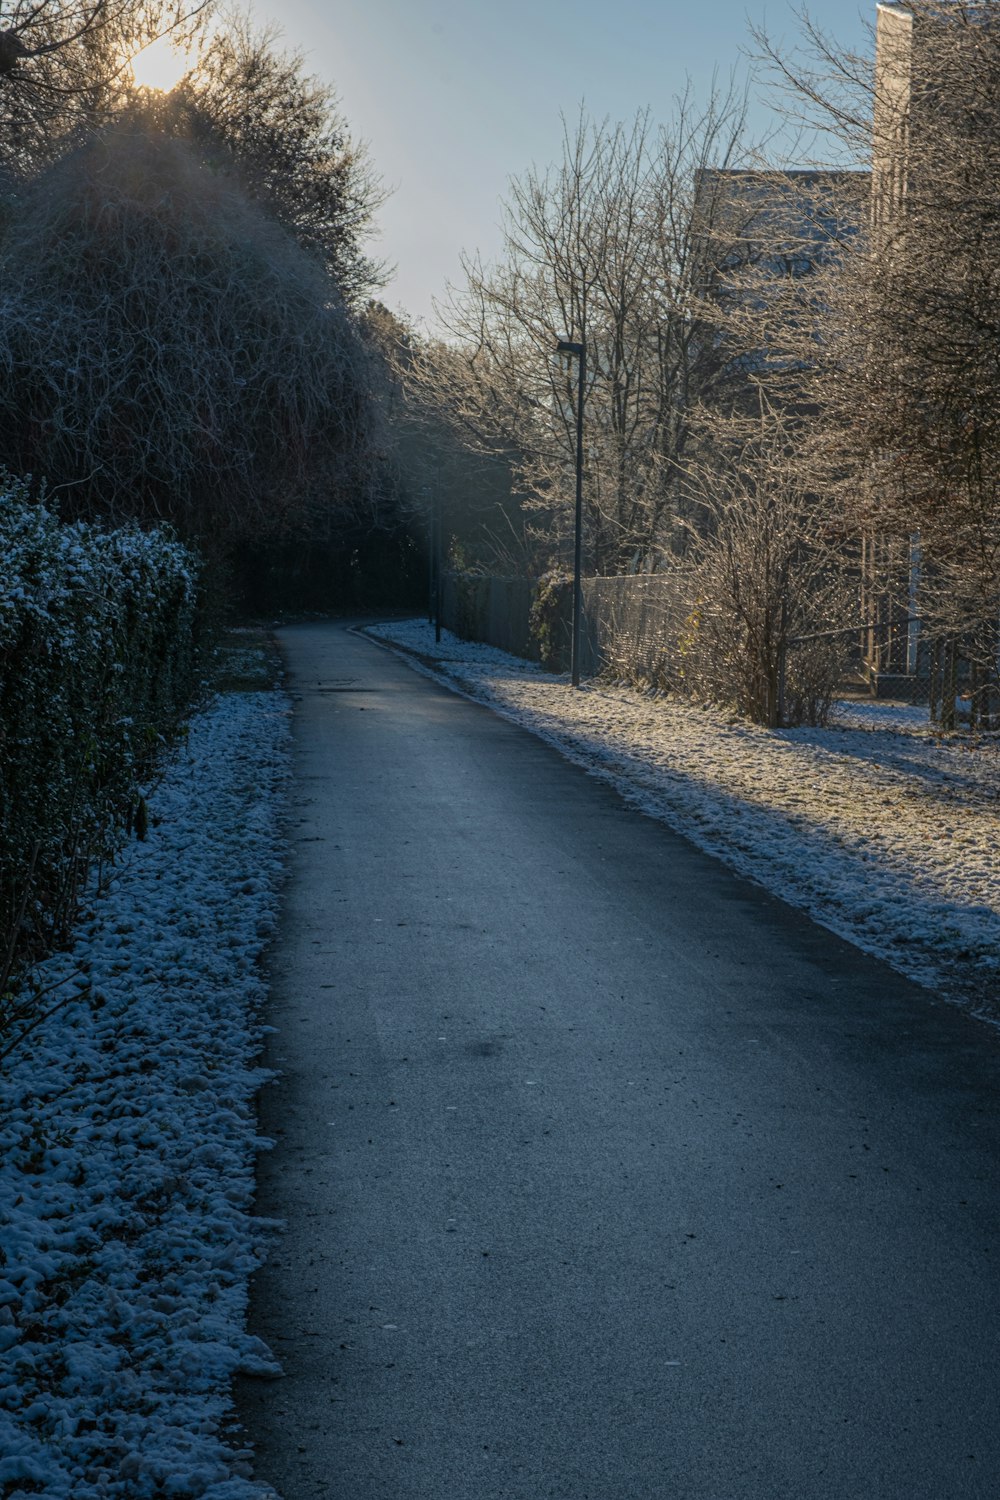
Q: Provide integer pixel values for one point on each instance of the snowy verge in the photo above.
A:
(880, 829)
(128, 1140)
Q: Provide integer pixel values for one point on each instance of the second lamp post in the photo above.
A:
(565, 346)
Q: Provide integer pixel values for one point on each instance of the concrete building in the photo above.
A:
(764, 229)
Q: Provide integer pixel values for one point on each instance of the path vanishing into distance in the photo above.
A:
(607, 1176)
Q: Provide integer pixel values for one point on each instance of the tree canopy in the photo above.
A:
(252, 108)
(64, 69)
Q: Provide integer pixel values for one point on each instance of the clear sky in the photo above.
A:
(454, 97)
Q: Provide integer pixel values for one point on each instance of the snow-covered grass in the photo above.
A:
(881, 829)
(127, 1145)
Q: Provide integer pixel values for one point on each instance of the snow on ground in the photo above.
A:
(881, 829)
(127, 1146)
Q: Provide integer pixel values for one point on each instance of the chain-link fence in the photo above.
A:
(652, 630)
(953, 675)
(630, 625)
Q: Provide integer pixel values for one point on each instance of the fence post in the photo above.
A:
(949, 683)
(782, 662)
(429, 518)
(934, 686)
(437, 564)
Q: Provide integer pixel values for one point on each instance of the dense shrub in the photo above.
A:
(97, 655)
(168, 353)
(772, 582)
(550, 620)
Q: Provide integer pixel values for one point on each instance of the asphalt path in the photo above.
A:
(606, 1175)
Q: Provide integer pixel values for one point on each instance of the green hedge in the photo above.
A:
(97, 663)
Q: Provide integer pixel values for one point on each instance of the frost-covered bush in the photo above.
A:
(771, 586)
(97, 651)
(168, 353)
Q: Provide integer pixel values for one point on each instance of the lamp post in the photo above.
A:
(438, 561)
(432, 502)
(566, 346)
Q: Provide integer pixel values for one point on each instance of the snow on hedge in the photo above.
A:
(880, 828)
(127, 1146)
(96, 664)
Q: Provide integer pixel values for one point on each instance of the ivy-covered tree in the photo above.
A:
(167, 351)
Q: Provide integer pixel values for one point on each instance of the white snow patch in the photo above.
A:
(882, 830)
(127, 1145)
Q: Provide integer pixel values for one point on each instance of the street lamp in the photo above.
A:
(432, 510)
(565, 346)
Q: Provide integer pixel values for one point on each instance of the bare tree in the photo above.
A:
(908, 383)
(64, 68)
(254, 110)
(767, 575)
(606, 247)
(443, 476)
(251, 109)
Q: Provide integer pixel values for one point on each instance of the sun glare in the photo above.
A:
(159, 66)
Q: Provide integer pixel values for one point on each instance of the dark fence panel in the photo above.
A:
(494, 610)
(508, 607)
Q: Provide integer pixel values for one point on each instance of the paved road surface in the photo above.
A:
(607, 1176)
